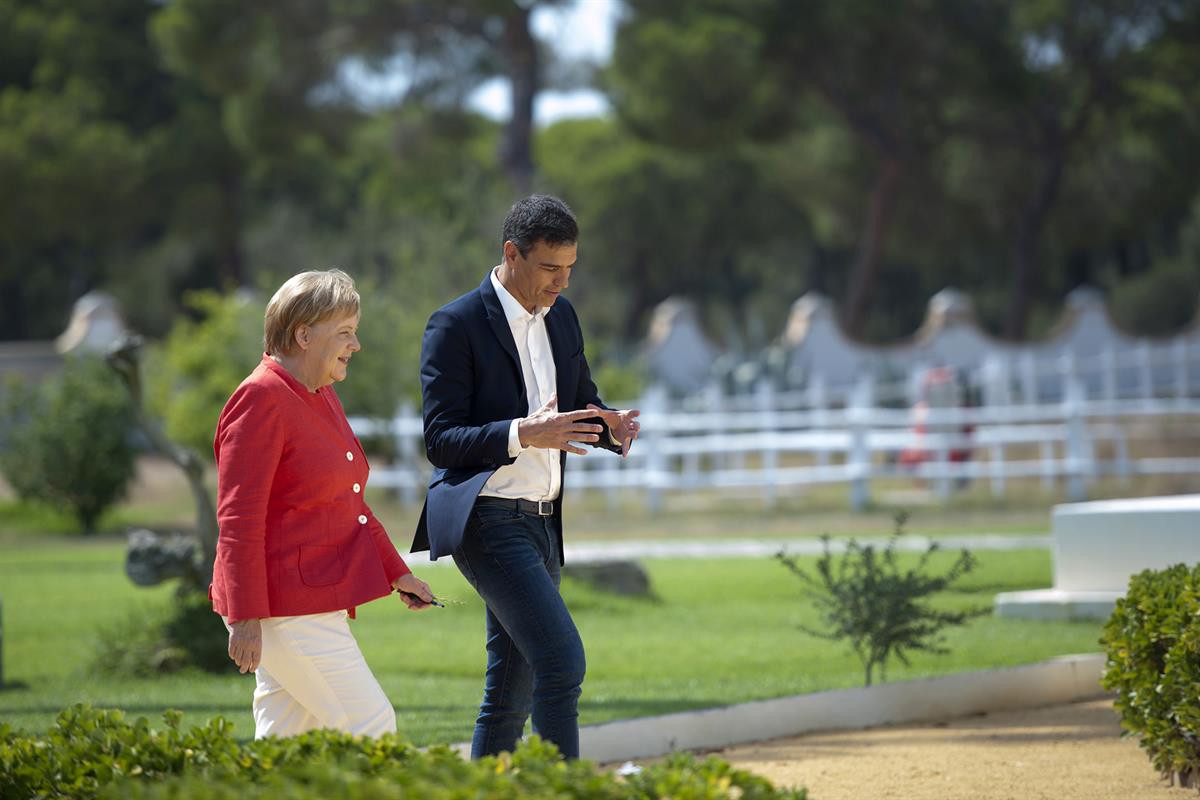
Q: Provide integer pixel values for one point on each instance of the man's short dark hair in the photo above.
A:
(540, 218)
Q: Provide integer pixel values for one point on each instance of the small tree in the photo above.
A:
(867, 599)
(67, 442)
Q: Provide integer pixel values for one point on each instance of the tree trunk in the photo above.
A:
(637, 303)
(864, 275)
(521, 63)
(13, 324)
(1025, 243)
(230, 260)
(125, 359)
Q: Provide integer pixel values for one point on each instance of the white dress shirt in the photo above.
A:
(535, 474)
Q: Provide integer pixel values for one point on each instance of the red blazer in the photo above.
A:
(296, 535)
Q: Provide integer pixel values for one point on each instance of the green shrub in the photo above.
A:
(882, 611)
(90, 753)
(134, 646)
(154, 640)
(1152, 644)
(198, 632)
(67, 442)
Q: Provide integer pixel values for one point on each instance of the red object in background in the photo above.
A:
(939, 390)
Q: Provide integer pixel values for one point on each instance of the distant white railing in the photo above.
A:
(774, 441)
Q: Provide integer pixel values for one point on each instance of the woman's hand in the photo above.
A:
(245, 644)
(415, 592)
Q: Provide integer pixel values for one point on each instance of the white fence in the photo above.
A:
(771, 442)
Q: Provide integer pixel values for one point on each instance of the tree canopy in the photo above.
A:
(758, 149)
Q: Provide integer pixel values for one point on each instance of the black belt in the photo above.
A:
(540, 508)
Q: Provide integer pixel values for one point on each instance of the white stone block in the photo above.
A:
(1099, 545)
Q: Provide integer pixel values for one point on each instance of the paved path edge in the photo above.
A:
(1058, 680)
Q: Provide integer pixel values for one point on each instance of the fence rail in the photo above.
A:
(683, 451)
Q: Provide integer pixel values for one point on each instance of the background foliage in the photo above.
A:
(874, 151)
(67, 443)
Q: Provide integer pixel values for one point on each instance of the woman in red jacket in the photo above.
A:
(298, 547)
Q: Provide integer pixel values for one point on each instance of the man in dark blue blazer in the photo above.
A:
(507, 393)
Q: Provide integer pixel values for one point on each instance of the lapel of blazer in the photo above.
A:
(559, 348)
(499, 323)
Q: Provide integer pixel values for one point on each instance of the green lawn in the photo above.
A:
(717, 632)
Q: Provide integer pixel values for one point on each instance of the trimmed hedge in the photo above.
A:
(1152, 643)
(90, 753)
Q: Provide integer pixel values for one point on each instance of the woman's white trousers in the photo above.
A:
(312, 675)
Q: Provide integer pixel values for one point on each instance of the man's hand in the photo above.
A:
(551, 430)
(623, 425)
(245, 644)
(415, 592)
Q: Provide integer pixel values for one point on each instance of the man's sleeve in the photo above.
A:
(447, 389)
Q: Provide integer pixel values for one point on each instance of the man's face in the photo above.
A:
(539, 277)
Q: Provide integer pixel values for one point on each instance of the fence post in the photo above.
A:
(1145, 372)
(406, 453)
(858, 459)
(764, 396)
(996, 457)
(1068, 371)
(1181, 370)
(1080, 465)
(1108, 368)
(818, 399)
(994, 375)
(1121, 454)
(1029, 389)
(655, 407)
(1046, 450)
(941, 481)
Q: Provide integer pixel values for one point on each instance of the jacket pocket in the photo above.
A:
(320, 565)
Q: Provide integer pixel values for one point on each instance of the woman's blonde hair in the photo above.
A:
(306, 299)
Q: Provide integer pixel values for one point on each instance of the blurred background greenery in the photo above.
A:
(751, 151)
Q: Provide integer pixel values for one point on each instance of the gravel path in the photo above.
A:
(1067, 752)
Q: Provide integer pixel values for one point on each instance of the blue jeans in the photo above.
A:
(535, 656)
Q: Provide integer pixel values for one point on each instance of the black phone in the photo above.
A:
(604, 442)
(433, 602)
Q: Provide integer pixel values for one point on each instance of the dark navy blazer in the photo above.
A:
(472, 389)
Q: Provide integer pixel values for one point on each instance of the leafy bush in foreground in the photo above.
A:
(91, 753)
(1152, 644)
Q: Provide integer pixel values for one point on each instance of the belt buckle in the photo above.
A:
(545, 508)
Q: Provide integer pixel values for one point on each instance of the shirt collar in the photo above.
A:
(513, 310)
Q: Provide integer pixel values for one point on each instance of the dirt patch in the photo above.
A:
(1063, 752)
